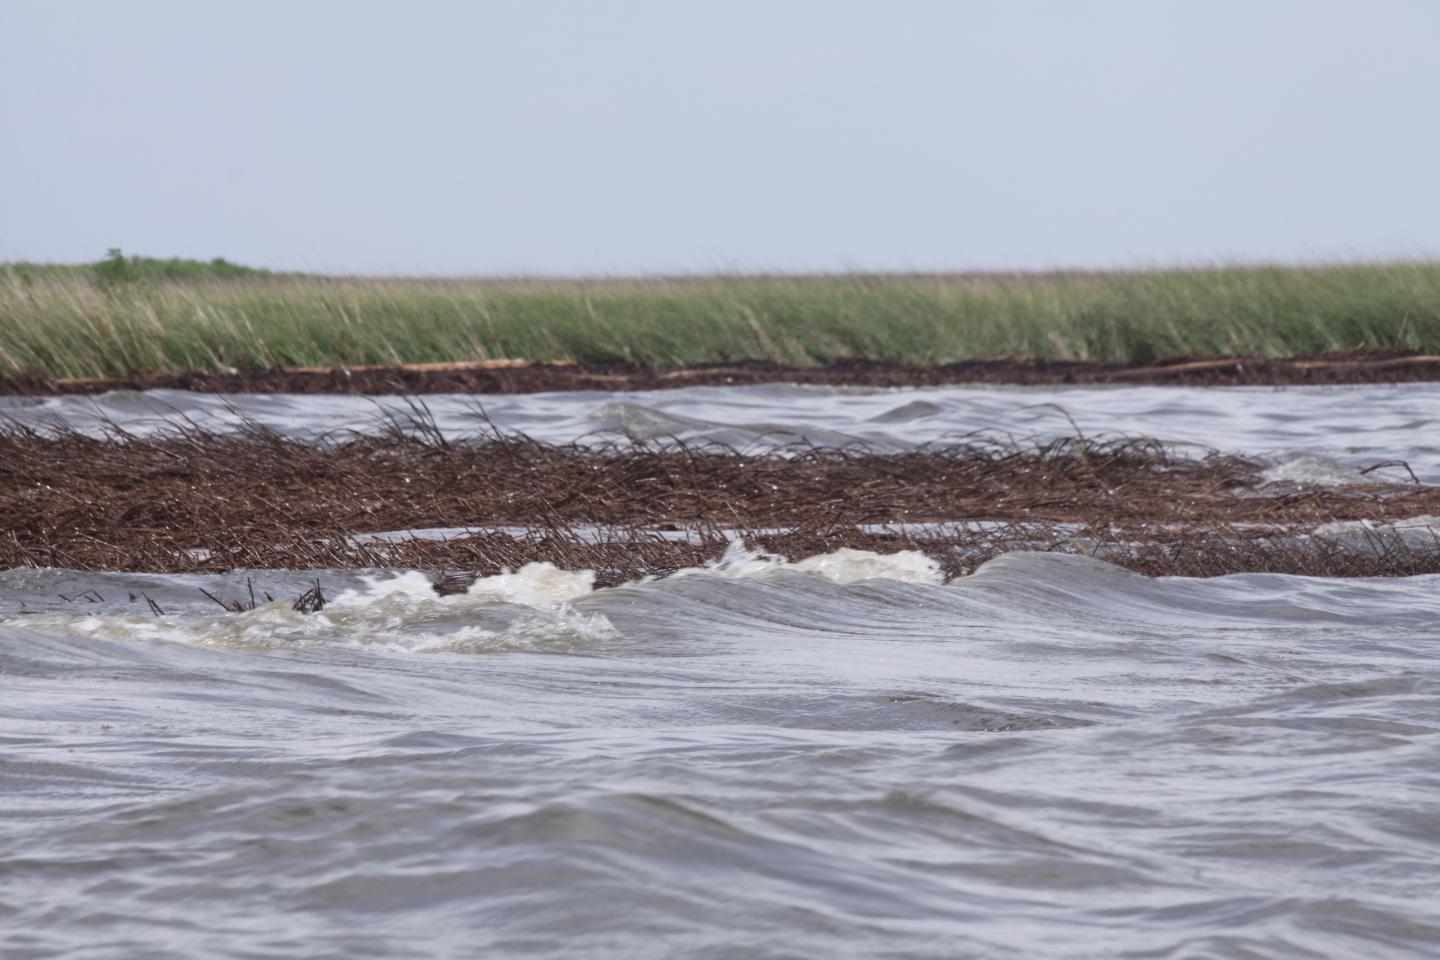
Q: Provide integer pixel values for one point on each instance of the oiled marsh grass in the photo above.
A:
(195, 501)
(60, 323)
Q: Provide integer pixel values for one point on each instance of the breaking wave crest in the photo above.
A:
(528, 609)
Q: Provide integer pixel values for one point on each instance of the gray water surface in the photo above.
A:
(1050, 758)
(841, 757)
(1330, 431)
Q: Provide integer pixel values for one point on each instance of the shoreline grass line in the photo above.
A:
(159, 316)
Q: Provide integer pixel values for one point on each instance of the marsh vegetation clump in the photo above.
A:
(191, 500)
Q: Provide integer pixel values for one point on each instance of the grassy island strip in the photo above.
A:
(131, 315)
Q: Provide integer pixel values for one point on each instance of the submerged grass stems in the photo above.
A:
(72, 323)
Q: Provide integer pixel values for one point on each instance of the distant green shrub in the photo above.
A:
(115, 268)
(118, 268)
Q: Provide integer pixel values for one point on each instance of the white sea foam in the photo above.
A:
(839, 566)
(539, 585)
(528, 609)
(850, 566)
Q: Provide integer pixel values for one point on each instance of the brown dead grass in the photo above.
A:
(195, 501)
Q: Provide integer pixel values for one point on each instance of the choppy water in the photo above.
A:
(844, 757)
(1346, 427)
(1050, 758)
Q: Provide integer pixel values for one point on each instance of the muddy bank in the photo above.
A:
(195, 501)
(521, 377)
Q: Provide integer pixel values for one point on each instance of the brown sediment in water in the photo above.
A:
(518, 376)
(195, 501)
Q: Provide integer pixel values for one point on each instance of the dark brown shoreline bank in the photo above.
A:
(507, 376)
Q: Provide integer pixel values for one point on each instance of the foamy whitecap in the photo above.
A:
(528, 609)
(842, 566)
(539, 584)
(851, 566)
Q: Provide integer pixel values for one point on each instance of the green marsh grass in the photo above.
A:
(78, 322)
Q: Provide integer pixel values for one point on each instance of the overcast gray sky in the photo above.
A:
(679, 135)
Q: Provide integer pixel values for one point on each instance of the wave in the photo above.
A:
(1049, 757)
(541, 607)
(1324, 434)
